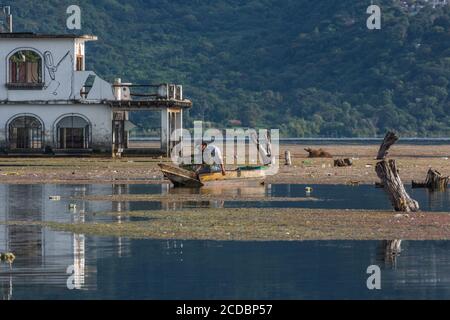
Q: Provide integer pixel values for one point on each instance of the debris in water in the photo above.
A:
(55, 198)
(7, 257)
(347, 162)
(401, 215)
(319, 153)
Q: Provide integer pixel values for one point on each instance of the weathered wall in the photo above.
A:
(98, 115)
(60, 80)
(59, 50)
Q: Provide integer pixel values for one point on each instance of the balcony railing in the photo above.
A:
(144, 92)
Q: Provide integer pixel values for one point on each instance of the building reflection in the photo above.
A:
(79, 263)
(174, 248)
(44, 256)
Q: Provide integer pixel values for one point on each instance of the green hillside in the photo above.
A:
(310, 68)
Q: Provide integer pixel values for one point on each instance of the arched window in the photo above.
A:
(25, 132)
(25, 68)
(73, 132)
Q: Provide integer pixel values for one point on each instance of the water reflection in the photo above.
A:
(176, 269)
(36, 248)
(323, 197)
(120, 268)
(390, 251)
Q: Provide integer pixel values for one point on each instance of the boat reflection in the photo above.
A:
(227, 191)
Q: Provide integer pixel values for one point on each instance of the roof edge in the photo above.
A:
(31, 35)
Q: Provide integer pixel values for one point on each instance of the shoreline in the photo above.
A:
(413, 162)
(246, 224)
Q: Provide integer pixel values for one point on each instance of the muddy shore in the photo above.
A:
(245, 223)
(413, 162)
(264, 224)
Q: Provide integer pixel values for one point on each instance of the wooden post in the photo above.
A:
(389, 175)
(287, 158)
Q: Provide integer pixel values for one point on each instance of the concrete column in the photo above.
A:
(47, 137)
(127, 133)
(180, 127)
(165, 131)
(118, 90)
(3, 142)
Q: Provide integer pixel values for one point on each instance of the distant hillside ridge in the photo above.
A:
(308, 68)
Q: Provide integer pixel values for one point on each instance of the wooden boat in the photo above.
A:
(182, 177)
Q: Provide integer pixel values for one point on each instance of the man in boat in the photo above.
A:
(212, 159)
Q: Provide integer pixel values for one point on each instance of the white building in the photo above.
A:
(50, 103)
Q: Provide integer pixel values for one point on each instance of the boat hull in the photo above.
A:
(181, 177)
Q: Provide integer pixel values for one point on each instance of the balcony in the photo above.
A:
(146, 96)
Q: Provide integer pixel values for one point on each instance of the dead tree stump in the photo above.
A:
(390, 179)
(435, 180)
(388, 141)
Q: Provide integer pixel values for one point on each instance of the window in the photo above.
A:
(73, 133)
(80, 63)
(25, 69)
(25, 132)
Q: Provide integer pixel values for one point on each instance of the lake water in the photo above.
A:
(59, 265)
(37, 204)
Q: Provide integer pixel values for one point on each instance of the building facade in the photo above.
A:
(50, 103)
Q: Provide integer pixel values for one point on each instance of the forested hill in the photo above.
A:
(310, 68)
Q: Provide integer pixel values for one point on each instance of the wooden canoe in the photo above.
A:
(182, 177)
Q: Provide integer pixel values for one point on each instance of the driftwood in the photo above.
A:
(318, 153)
(390, 179)
(388, 141)
(347, 162)
(434, 181)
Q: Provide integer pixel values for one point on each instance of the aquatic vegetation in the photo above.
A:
(263, 224)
